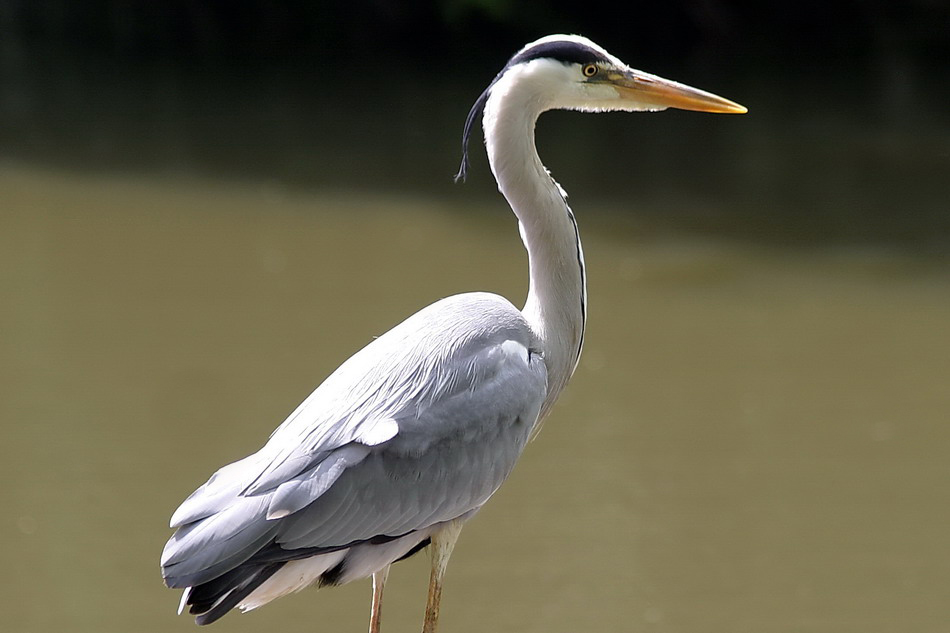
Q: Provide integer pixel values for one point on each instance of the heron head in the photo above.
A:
(570, 72)
(573, 73)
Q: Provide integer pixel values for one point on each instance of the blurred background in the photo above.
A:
(206, 207)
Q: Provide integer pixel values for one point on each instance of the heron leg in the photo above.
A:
(379, 581)
(443, 542)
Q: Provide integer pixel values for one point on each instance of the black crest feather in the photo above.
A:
(564, 51)
(467, 131)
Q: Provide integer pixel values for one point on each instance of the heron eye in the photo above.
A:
(590, 70)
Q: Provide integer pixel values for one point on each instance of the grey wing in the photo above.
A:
(411, 431)
(447, 459)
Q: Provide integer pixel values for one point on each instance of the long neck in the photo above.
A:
(556, 307)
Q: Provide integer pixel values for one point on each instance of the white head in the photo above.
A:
(570, 72)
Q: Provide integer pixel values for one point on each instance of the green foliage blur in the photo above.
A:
(245, 31)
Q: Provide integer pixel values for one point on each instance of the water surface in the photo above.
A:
(755, 441)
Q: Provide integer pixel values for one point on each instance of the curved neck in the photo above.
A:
(557, 299)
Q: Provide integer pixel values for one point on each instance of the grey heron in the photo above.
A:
(409, 437)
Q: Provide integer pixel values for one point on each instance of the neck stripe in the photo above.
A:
(580, 263)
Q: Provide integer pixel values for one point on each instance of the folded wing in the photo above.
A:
(419, 427)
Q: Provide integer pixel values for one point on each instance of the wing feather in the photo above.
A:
(300, 491)
(443, 463)
(420, 426)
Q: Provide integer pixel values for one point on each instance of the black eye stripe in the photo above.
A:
(563, 51)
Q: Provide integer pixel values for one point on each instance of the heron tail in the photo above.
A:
(209, 601)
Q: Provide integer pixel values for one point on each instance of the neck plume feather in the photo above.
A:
(556, 305)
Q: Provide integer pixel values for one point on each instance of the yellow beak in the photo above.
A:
(659, 93)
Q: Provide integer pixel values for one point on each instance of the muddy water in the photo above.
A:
(756, 440)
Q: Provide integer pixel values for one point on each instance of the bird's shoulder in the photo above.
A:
(440, 334)
(468, 317)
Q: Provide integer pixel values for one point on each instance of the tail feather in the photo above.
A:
(211, 600)
(249, 579)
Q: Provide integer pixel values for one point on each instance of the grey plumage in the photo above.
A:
(388, 444)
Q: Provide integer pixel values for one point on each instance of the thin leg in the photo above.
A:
(379, 581)
(442, 544)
